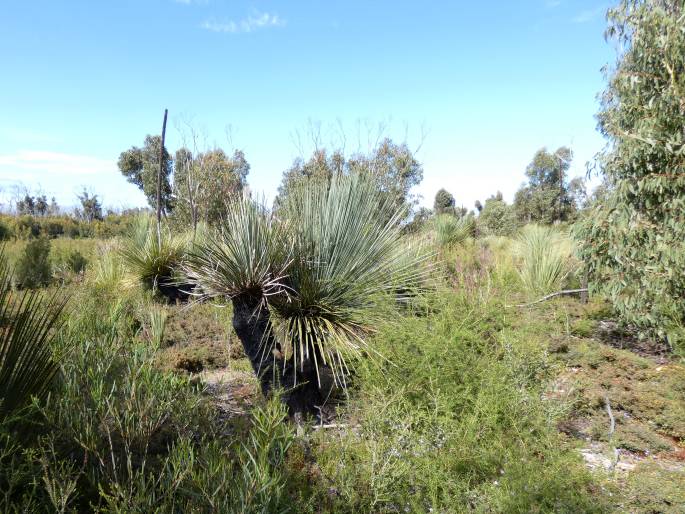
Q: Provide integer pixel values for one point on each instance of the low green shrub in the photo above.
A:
(76, 262)
(5, 231)
(454, 422)
(33, 268)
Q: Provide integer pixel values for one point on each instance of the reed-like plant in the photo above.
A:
(28, 320)
(451, 231)
(158, 318)
(153, 257)
(544, 259)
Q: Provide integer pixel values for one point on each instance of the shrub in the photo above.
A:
(5, 231)
(76, 262)
(497, 218)
(26, 227)
(33, 266)
(456, 422)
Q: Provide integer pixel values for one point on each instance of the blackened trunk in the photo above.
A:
(302, 392)
(252, 324)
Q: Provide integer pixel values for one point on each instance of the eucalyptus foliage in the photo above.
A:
(634, 238)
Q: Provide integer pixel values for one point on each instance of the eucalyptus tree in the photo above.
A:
(634, 235)
(548, 195)
(307, 287)
(205, 182)
(392, 167)
(140, 166)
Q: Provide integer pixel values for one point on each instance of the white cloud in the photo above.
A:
(53, 163)
(63, 175)
(590, 15)
(250, 24)
(551, 4)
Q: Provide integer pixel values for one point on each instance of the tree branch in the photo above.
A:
(552, 295)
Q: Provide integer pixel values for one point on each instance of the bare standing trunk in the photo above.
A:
(159, 181)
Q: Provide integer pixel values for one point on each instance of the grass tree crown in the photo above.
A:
(322, 270)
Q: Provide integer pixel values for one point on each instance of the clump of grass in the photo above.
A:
(107, 270)
(158, 317)
(153, 258)
(544, 259)
(451, 231)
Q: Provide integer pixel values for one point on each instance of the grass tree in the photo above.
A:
(308, 287)
(152, 257)
(27, 362)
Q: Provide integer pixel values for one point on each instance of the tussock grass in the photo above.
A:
(151, 258)
(544, 259)
(450, 230)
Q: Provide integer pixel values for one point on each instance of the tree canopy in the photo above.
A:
(140, 166)
(444, 202)
(392, 167)
(549, 195)
(634, 236)
(204, 183)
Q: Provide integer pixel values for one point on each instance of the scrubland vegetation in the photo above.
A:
(344, 351)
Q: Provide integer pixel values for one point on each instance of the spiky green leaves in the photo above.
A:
(325, 268)
(347, 258)
(27, 322)
(247, 255)
(150, 258)
(544, 259)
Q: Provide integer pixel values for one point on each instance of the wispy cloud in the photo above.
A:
(590, 15)
(41, 163)
(551, 4)
(190, 2)
(250, 24)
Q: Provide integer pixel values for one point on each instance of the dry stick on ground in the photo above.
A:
(552, 295)
(612, 427)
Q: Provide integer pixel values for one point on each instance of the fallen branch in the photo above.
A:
(334, 425)
(552, 295)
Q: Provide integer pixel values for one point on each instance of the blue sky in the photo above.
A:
(481, 85)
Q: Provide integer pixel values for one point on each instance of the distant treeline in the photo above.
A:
(28, 226)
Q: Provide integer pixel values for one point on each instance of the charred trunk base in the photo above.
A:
(302, 392)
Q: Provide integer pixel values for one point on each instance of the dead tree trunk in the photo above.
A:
(159, 180)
